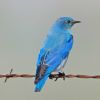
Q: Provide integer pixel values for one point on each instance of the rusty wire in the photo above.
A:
(56, 76)
(53, 76)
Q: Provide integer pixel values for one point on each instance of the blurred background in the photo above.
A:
(23, 26)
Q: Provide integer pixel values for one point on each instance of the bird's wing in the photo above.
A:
(50, 59)
(41, 65)
(47, 62)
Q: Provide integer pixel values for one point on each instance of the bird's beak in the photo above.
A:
(74, 22)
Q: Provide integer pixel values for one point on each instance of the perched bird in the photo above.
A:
(55, 50)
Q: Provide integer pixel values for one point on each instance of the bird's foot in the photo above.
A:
(62, 75)
(50, 76)
(59, 75)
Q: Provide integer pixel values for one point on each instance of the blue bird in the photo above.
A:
(55, 50)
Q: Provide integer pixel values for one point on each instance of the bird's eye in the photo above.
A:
(68, 21)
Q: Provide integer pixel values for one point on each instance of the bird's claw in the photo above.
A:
(62, 75)
(52, 76)
(56, 79)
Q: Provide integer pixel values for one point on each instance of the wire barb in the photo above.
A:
(9, 74)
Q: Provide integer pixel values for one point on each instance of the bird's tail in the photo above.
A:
(40, 83)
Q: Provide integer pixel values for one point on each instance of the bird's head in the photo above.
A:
(65, 22)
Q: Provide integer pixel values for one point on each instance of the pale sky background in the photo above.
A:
(23, 26)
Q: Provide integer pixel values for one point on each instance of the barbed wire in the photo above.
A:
(52, 76)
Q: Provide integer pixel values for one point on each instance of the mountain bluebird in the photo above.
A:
(55, 50)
